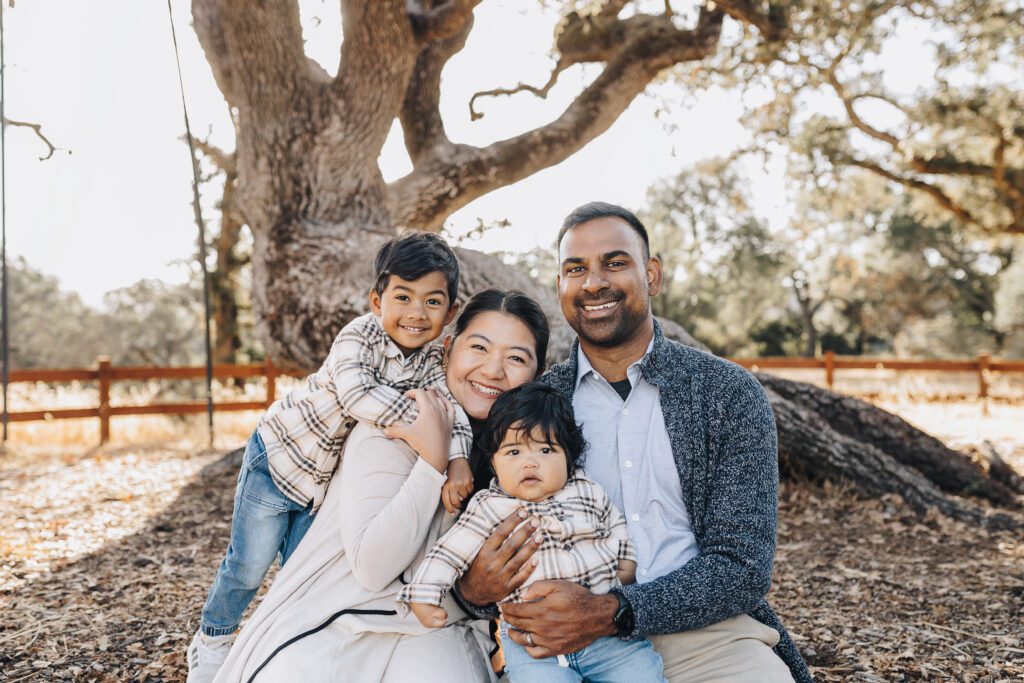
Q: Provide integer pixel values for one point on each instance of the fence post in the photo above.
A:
(830, 368)
(983, 372)
(103, 374)
(270, 370)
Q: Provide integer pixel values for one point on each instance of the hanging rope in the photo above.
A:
(202, 234)
(3, 230)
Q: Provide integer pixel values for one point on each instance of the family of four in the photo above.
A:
(613, 519)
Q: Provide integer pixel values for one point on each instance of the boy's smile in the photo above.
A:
(414, 312)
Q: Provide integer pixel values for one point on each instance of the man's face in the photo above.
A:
(604, 281)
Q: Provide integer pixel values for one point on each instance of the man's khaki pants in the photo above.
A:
(736, 650)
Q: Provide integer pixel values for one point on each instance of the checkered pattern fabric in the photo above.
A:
(584, 540)
(362, 380)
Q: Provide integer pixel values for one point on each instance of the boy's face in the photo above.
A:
(414, 312)
(528, 467)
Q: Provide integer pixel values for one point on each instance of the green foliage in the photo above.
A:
(148, 323)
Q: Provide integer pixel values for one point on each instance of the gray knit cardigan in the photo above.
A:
(723, 439)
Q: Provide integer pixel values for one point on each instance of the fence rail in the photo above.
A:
(105, 374)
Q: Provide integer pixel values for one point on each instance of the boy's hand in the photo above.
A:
(430, 434)
(459, 486)
(430, 616)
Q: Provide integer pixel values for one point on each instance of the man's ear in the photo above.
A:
(450, 315)
(654, 276)
(375, 302)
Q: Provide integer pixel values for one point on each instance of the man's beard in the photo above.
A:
(611, 331)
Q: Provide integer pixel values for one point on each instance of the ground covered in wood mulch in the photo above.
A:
(106, 556)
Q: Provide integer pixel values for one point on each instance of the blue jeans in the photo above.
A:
(606, 660)
(265, 523)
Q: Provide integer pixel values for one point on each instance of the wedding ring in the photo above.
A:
(529, 639)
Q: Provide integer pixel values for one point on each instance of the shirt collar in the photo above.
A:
(583, 366)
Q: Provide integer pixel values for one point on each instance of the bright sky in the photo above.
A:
(101, 79)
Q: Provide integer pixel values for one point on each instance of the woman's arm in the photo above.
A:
(389, 497)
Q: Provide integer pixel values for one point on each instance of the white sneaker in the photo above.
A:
(206, 654)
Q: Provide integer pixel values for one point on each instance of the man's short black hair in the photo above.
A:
(534, 407)
(594, 210)
(412, 255)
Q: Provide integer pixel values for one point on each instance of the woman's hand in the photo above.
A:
(430, 434)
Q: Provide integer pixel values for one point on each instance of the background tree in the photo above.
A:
(313, 195)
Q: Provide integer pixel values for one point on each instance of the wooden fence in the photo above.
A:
(105, 374)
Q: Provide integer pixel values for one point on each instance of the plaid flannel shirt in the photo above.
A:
(362, 380)
(585, 538)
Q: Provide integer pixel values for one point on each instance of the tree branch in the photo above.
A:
(38, 129)
(940, 196)
(444, 183)
(541, 92)
(421, 116)
(771, 23)
(440, 22)
(256, 52)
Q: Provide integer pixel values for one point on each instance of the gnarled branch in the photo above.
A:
(421, 120)
(541, 92)
(440, 22)
(444, 183)
(37, 128)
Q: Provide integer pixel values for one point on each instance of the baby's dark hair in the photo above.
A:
(412, 255)
(535, 407)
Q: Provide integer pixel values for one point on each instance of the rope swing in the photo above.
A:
(3, 230)
(202, 238)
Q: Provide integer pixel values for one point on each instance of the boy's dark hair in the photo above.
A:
(593, 210)
(535, 407)
(412, 255)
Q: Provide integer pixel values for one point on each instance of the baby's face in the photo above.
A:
(528, 467)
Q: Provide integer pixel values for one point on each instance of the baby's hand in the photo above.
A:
(459, 485)
(430, 616)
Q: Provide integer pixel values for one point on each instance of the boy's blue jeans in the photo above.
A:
(606, 660)
(265, 523)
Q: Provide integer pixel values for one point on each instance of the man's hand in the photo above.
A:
(560, 617)
(459, 485)
(503, 563)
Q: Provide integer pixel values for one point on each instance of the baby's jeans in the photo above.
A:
(606, 660)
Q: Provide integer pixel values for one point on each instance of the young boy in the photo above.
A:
(290, 458)
(536, 450)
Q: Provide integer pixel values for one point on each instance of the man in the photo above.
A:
(685, 445)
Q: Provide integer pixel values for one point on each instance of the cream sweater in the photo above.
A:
(380, 515)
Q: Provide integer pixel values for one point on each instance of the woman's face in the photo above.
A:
(496, 352)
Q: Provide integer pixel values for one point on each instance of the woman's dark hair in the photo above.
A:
(513, 303)
(412, 255)
(535, 408)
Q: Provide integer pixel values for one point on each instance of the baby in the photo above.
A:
(536, 452)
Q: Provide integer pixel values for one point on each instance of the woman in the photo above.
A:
(330, 613)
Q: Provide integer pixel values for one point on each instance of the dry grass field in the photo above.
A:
(106, 554)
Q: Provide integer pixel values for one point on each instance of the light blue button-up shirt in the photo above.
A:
(630, 456)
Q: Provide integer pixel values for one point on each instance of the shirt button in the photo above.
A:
(636, 518)
(643, 572)
(628, 463)
(625, 411)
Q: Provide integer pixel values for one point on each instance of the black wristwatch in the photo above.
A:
(623, 618)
